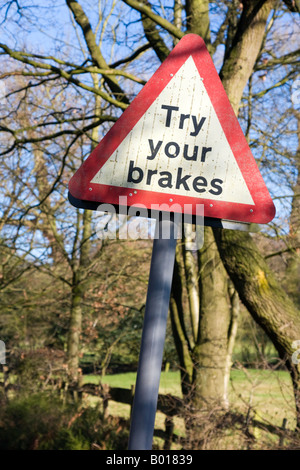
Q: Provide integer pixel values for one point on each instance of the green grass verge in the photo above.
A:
(169, 381)
(268, 393)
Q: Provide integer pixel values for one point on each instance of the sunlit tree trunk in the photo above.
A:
(210, 353)
(244, 41)
(209, 308)
(292, 281)
(258, 289)
(269, 305)
(80, 273)
(80, 267)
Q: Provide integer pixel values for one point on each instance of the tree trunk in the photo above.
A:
(292, 278)
(191, 281)
(178, 320)
(241, 57)
(269, 305)
(264, 298)
(201, 334)
(74, 331)
(208, 306)
(294, 235)
(197, 14)
(80, 270)
(210, 353)
(153, 36)
(94, 49)
(235, 313)
(80, 275)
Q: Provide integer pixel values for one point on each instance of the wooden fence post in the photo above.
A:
(283, 427)
(132, 398)
(105, 391)
(169, 424)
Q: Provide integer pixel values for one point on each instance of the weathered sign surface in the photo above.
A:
(179, 143)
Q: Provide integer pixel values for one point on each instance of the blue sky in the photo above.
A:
(48, 30)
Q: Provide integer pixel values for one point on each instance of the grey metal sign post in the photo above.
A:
(153, 336)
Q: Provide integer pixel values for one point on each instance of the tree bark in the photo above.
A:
(153, 36)
(264, 298)
(191, 281)
(210, 353)
(292, 278)
(233, 328)
(294, 234)
(241, 57)
(269, 305)
(208, 303)
(197, 14)
(96, 55)
(74, 331)
(178, 321)
(80, 275)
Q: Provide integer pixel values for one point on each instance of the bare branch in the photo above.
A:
(90, 39)
(17, 55)
(133, 56)
(165, 24)
(293, 5)
(292, 58)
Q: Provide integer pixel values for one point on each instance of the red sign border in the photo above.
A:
(263, 210)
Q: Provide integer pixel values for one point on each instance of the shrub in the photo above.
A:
(42, 422)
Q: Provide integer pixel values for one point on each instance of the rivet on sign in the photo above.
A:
(90, 189)
(171, 200)
(130, 194)
(210, 205)
(251, 210)
(135, 192)
(171, 75)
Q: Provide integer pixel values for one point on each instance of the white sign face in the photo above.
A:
(179, 147)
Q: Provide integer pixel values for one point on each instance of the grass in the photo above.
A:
(267, 393)
(169, 381)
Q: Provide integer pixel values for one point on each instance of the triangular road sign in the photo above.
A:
(179, 143)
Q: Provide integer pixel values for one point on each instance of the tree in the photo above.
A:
(246, 41)
(246, 34)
